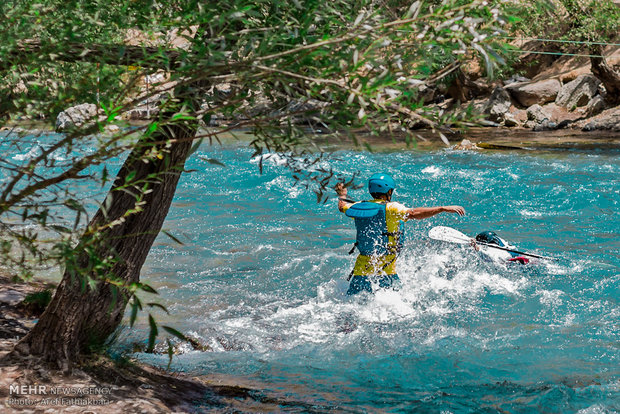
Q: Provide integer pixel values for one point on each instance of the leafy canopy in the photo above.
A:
(287, 71)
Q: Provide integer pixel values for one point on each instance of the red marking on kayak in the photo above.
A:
(520, 259)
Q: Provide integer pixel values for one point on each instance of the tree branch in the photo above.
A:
(125, 55)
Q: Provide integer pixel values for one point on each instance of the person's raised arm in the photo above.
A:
(420, 213)
(341, 190)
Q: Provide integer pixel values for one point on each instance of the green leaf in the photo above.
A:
(60, 229)
(74, 205)
(174, 332)
(104, 176)
(130, 176)
(152, 334)
(213, 161)
(158, 305)
(134, 311)
(167, 233)
(196, 145)
(147, 288)
(178, 117)
(170, 353)
(151, 128)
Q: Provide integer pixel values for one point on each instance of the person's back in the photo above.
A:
(380, 232)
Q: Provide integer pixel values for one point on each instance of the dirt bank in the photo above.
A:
(103, 386)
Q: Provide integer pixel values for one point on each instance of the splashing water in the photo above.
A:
(261, 278)
(262, 281)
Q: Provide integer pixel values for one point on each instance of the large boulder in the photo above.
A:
(608, 120)
(510, 120)
(539, 119)
(497, 105)
(532, 93)
(75, 116)
(595, 106)
(537, 114)
(578, 92)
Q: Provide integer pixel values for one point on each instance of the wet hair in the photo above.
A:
(380, 195)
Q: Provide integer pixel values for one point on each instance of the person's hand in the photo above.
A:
(473, 244)
(341, 190)
(455, 209)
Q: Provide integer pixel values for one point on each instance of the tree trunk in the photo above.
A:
(79, 317)
(606, 74)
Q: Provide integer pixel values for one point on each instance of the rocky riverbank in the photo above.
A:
(564, 94)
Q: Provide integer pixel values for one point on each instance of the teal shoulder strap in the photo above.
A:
(364, 209)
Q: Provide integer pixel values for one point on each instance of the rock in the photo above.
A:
(595, 106)
(13, 130)
(429, 94)
(214, 120)
(608, 120)
(497, 105)
(531, 93)
(520, 115)
(516, 79)
(303, 111)
(537, 114)
(111, 128)
(75, 116)
(546, 125)
(564, 124)
(509, 120)
(466, 145)
(10, 296)
(578, 92)
(141, 112)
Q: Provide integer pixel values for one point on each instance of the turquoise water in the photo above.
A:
(261, 279)
(261, 275)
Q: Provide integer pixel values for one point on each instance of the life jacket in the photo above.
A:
(372, 237)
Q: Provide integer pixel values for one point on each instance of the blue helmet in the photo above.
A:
(380, 183)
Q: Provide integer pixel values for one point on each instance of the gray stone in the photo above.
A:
(111, 128)
(509, 120)
(591, 126)
(75, 116)
(497, 105)
(516, 79)
(466, 145)
(595, 106)
(531, 93)
(537, 114)
(12, 297)
(578, 92)
(143, 112)
(608, 120)
(546, 125)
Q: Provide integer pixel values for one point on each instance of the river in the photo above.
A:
(261, 278)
